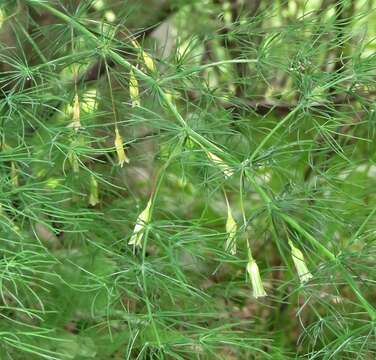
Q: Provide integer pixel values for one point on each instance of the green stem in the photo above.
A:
(160, 177)
(201, 141)
(139, 73)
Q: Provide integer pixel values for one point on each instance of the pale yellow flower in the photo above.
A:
(254, 274)
(146, 58)
(231, 229)
(72, 157)
(134, 92)
(148, 61)
(226, 170)
(76, 121)
(93, 196)
(142, 220)
(300, 265)
(122, 157)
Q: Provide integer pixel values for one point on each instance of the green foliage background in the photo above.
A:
(268, 103)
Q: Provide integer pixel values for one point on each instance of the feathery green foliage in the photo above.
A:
(187, 179)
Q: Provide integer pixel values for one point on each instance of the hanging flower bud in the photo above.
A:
(170, 96)
(13, 174)
(93, 196)
(139, 229)
(76, 123)
(146, 58)
(227, 171)
(254, 274)
(300, 265)
(133, 90)
(148, 61)
(122, 157)
(231, 229)
(72, 157)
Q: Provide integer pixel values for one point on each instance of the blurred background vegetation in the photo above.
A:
(187, 179)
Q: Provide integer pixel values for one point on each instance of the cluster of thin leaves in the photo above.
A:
(206, 197)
